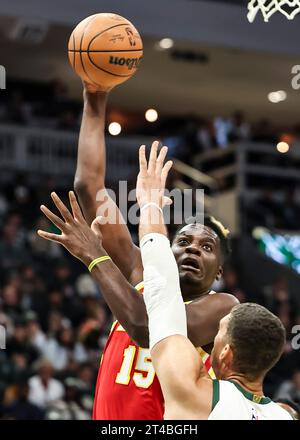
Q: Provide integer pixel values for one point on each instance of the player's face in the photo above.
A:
(197, 251)
(219, 354)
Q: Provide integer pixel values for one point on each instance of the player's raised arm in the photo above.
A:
(177, 364)
(85, 243)
(90, 178)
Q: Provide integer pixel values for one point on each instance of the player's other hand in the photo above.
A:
(81, 240)
(151, 180)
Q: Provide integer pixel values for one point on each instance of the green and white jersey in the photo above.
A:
(232, 402)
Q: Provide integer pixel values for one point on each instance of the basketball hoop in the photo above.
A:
(289, 8)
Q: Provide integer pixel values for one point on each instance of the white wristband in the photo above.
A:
(151, 204)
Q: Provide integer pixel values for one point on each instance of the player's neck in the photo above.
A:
(191, 292)
(253, 386)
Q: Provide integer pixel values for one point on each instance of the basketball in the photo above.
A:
(105, 50)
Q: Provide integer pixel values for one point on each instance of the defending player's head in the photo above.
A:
(200, 251)
(249, 342)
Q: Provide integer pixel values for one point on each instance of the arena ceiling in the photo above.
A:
(239, 73)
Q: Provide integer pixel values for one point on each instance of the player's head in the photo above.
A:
(249, 342)
(200, 249)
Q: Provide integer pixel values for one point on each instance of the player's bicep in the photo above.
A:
(203, 317)
(178, 367)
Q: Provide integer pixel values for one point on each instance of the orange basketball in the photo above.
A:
(105, 50)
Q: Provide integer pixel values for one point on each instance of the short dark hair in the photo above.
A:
(256, 337)
(216, 226)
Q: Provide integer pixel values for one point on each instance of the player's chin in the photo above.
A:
(190, 276)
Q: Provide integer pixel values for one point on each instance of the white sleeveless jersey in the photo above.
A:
(232, 402)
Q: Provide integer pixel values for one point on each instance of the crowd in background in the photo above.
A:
(50, 105)
(55, 318)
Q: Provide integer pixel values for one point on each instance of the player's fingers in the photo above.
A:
(52, 217)
(49, 236)
(143, 160)
(76, 211)
(153, 157)
(160, 160)
(62, 208)
(165, 172)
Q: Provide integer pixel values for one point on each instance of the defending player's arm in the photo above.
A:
(90, 178)
(186, 387)
(177, 364)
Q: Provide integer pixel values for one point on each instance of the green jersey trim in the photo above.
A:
(262, 400)
(216, 393)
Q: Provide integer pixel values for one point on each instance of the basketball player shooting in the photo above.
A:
(127, 387)
(249, 341)
(200, 251)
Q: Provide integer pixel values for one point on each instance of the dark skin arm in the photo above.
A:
(90, 179)
(125, 302)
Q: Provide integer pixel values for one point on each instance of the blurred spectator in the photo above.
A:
(43, 388)
(62, 348)
(222, 129)
(16, 405)
(240, 129)
(290, 389)
(18, 111)
(290, 211)
(279, 301)
(231, 285)
(72, 407)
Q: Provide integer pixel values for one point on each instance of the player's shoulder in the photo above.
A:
(226, 298)
(279, 412)
(219, 300)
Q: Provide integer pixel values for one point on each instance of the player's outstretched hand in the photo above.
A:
(152, 177)
(81, 240)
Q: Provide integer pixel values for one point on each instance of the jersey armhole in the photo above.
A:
(216, 393)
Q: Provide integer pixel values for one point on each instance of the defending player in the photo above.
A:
(249, 341)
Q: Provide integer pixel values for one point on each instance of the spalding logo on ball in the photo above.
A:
(105, 50)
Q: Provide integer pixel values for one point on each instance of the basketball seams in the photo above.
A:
(74, 58)
(112, 51)
(80, 49)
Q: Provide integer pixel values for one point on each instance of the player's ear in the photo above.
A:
(226, 356)
(219, 273)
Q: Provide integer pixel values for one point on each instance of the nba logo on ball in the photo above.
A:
(105, 50)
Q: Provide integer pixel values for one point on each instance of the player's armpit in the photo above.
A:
(204, 315)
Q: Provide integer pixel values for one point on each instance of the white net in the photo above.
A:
(289, 8)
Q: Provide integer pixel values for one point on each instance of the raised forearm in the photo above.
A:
(151, 221)
(124, 301)
(90, 172)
